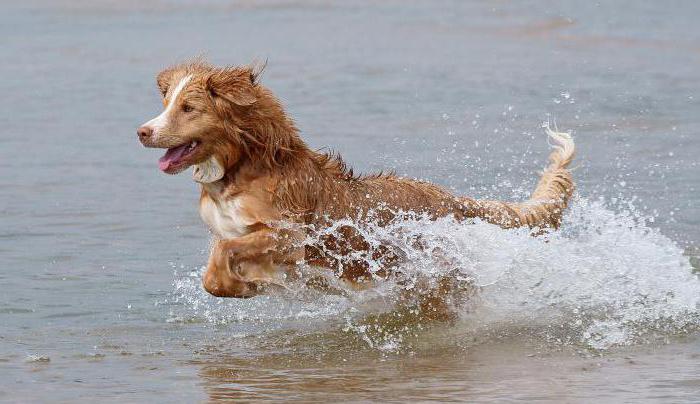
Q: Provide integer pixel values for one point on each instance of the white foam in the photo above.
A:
(606, 279)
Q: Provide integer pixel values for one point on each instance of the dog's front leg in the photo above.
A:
(223, 280)
(264, 241)
(239, 267)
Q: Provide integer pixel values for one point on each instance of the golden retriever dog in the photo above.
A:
(263, 190)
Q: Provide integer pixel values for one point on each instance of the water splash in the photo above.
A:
(606, 279)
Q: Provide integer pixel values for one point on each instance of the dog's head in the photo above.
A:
(204, 109)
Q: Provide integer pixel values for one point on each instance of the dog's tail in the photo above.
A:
(545, 207)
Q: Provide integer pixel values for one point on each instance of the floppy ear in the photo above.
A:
(235, 85)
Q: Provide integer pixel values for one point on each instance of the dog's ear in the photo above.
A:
(236, 85)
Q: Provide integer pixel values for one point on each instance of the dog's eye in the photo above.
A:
(187, 108)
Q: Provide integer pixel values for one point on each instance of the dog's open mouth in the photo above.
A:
(175, 159)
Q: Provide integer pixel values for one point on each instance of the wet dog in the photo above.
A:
(263, 189)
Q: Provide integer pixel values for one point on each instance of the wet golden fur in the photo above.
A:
(272, 177)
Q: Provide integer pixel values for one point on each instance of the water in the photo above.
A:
(101, 255)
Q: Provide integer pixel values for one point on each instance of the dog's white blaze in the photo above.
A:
(225, 218)
(161, 121)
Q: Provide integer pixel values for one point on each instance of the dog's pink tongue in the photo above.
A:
(171, 157)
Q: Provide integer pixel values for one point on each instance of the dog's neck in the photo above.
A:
(214, 179)
(271, 146)
(208, 171)
(271, 139)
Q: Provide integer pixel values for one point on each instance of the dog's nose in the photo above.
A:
(144, 132)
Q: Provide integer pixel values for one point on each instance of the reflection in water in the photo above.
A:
(504, 371)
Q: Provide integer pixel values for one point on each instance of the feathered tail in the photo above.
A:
(545, 207)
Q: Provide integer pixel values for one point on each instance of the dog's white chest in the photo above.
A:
(225, 218)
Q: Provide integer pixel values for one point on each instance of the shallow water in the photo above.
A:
(100, 254)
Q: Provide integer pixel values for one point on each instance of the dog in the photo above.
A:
(263, 190)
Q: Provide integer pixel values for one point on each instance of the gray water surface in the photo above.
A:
(95, 242)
